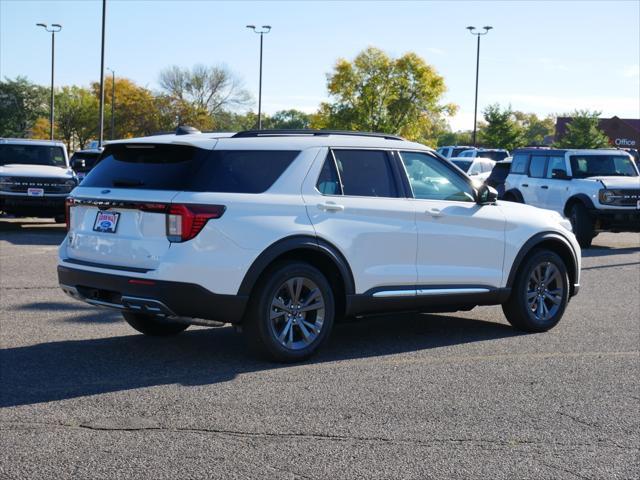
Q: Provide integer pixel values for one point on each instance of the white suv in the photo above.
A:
(495, 154)
(283, 232)
(598, 190)
(35, 178)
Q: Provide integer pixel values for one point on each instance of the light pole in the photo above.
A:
(55, 28)
(478, 34)
(113, 102)
(261, 31)
(101, 125)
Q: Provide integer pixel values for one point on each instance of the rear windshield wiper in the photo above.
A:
(126, 182)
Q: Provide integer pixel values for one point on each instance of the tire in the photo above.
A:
(281, 323)
(154, 326)
(512, 197)
(533, 305)
(581, 224)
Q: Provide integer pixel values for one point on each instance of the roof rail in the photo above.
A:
(309, 132)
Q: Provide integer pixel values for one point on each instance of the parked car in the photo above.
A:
(495, 154)
(83, 161)
(498, 176)
(284, 232)
(35, 178)
(598, 190)
(478, 168)
(452, 150)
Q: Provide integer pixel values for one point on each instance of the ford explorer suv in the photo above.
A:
(35, 178)
(283, 233)
(598, 190)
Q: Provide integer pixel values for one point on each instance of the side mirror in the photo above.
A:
(486, 195)
(559, 174)
(78, 163)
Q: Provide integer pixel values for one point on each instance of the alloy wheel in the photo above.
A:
(545, 291)
(297, 313)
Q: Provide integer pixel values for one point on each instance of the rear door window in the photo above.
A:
(537, 166)
(366, 173)
(186, 168)
(556, 163)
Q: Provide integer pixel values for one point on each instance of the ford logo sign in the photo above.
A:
(105, 191)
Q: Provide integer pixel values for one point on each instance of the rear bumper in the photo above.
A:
(23, 205)
(155, 297)
(627, 220)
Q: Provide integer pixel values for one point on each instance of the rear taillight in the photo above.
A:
(184, 222)
(67, 211)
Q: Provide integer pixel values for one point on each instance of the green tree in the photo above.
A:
(502, 129)
(76, 116)
(535, 128)
(392, 95)
(583, 132)
(455, 138)
(21, 104)
(289, 119)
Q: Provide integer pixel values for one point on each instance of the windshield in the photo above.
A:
(88, 157)
(462, 164)
(583, 166)
(497, 156)
(32, 155)
(457, 151)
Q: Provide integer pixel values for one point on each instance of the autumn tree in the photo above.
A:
(137, 111)
(583, 132)
(375, 92)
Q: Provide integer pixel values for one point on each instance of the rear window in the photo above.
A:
(31, 155)
(185, 168)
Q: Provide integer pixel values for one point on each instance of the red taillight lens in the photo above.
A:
(184, 222)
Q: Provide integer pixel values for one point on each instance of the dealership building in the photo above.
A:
(622, 132)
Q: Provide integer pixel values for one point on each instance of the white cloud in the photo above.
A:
(462, 121)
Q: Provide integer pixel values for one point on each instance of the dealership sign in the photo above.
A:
(624, 142)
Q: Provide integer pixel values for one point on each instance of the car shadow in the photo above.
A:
(41, 232)
(604, 251)
(54, 371)
(93, 315)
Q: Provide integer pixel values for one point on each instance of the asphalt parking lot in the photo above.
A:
(405, 396)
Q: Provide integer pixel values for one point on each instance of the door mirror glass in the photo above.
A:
(486, 195)
(560, 174)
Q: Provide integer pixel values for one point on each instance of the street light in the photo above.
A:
(261, 31)
(101, 121)
(113, 101)
(478, 34)
(55, 28)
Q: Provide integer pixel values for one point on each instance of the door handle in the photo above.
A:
(434, 212)
(525, 184)
(331, 207)
(546, 187)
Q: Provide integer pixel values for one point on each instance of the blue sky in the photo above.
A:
(542, 57)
